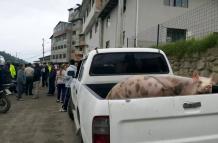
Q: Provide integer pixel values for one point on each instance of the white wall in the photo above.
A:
(151, 13)
(109, 33)
(93, 42)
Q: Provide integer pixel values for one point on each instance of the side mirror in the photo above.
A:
(71, 73)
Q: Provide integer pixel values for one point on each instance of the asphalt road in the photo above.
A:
(36, 121)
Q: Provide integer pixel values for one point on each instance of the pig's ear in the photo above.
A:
(214, 78)
(195, 76)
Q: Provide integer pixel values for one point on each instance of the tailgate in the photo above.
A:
(165, 119)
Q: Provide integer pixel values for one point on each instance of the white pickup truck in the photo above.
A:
(146, 120)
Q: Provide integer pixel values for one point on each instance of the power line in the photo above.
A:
(36, 55)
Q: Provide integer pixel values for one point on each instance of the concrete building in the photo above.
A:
(61, 42)
(65, 38)
(132, 23)
(76, 47)
(91, 31)
(46, 59)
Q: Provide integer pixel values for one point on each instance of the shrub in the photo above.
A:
(181, 48)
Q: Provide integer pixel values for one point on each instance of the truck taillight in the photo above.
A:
(101, 129)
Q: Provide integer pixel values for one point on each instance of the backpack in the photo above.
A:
(5, 76)
(37, 74)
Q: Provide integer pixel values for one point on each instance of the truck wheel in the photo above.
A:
(70, 110)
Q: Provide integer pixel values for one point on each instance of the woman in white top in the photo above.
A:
(60, 84)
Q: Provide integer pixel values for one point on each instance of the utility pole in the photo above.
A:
(43, 49)
(137, 23)
(158, 34)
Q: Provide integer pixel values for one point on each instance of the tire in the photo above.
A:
(5, 104)
(70, 109)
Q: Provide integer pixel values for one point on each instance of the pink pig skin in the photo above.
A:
(154, 86)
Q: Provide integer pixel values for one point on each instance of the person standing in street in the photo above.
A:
(5, 76)
(69, 75)
(36, 79)
(45, 73)
(60, 84)
(51, 84)
(12, 70)
(29, 73)
(21, 81)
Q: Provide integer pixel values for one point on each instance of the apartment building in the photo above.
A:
(65, 38)
(61, 42)
(76, 52)
(132, 23)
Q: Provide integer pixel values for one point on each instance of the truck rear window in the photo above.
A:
(128, 63)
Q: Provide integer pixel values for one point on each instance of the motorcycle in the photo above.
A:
(5, 103)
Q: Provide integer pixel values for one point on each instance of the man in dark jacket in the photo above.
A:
(52, 78)
(36, 80)
(2, 62)
(21, 81)
(45, 73)
(5, 76)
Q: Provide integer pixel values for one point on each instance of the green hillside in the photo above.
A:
(10, 58)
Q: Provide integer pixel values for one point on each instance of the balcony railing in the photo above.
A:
(107, 7)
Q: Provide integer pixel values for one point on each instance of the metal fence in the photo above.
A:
(197, 23)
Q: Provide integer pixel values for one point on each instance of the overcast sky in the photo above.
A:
(23, 24)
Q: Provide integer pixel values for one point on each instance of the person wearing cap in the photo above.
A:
(5, 77)
(2, 62)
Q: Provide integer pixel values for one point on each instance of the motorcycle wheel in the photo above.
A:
(5, 104)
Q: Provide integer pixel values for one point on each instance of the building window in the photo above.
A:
(56, 56)
(176, 34)
(107, 44)
(90, 36)
(74, 32)
(96, 26)
(108, 21)
(176, 3)
(53, 56)
(80, 49)
(65, 46)
(124, 36)
(60, 56)
(64, 56)
(73, 42)
(84, 19)
(181, 3)
(124, 6)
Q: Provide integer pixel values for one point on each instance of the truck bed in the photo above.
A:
(101, 89)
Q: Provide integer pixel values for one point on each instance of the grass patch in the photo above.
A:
(181, 48)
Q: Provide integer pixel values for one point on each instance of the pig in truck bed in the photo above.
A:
(187, 118)
(154, 86)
